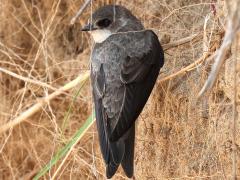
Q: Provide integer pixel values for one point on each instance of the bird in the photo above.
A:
(125, 62)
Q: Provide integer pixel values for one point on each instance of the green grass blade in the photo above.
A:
(67, 115)
(60, 154)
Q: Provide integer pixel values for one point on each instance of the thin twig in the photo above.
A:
(181, 41)
(205, 37)
(31, 81)
(80, 11)
(25, 79)
(35, 108)
(232, 29)
(207, 55)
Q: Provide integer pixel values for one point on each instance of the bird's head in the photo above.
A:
(109, 20)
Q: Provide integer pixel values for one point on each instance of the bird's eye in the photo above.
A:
(103, 23)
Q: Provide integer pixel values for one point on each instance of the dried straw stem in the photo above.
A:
(35, 108)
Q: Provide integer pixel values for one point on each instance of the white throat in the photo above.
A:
(100, 35)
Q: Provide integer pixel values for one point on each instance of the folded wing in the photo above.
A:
(138, 74)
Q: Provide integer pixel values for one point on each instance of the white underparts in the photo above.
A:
(100, 35)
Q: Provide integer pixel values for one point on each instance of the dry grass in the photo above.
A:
(178, 136)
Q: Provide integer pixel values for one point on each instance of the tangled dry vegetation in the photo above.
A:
(178, 135)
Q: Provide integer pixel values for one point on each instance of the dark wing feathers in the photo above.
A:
(128, 158)
(135, 69)
(121, 87)
(139, 78)
(112, 151)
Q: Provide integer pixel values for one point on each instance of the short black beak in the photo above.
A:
(88, 27)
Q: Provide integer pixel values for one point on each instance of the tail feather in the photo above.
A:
(122, 152)
(116, 155)
(117, 151)
(111, 169)
(128, 158)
